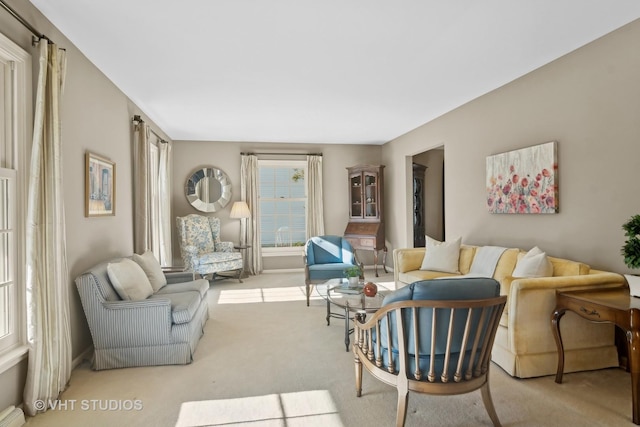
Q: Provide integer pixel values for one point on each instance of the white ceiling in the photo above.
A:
(321, 71)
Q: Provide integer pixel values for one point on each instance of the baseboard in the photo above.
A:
(283, 270)
(85, 355)
(301, 270)
(372, 267)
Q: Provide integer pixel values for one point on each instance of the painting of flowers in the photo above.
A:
(523, 181)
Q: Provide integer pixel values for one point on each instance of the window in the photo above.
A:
(8, 318)
(15, 131)
(283, 202)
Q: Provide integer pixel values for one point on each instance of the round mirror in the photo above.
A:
(208, 189)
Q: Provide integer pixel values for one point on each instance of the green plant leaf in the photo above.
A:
(352, 272)
(631, 249)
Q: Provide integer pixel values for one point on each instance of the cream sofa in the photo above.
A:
(524, 345)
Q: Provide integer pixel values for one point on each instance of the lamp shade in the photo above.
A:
(240, 210)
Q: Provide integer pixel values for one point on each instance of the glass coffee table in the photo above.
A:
(350, 299)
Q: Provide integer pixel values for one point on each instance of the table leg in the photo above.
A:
(328, 311)
(555, 323)
(346, 327)
(384, 259)
(245, 270)
(633, 339)
(375, 261)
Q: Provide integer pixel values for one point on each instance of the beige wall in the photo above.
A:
(189, 155)
(96, 117)
(588, 101)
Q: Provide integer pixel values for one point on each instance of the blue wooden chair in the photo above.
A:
(433, 337)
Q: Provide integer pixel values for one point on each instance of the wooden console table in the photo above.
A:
(613, 305)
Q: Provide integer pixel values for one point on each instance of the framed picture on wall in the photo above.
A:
(523, 181)
(100, 186)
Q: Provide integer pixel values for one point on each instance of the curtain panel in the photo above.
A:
(249, 194)
(47, 281)
(314, 213)
(152, 195)
(164, 199)
(141, 207)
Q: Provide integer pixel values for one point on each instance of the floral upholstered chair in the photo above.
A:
(201, 249)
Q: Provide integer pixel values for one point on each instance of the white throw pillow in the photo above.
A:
(129, 280)
(152, 269)
(534, 264)
(441, 256)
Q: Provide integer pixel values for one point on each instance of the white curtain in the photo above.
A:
(249, 193)
(152, 195)
(141, 207)
(314, 214)
(47, 285)
(164, 199)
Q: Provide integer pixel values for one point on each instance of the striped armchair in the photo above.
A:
(162, 329)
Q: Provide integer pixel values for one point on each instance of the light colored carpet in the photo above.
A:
(306, 408)
(264, 348)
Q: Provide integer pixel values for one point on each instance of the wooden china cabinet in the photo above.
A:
(365, 230)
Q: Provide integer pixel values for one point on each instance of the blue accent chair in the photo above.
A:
(326, 257)
(433, 337)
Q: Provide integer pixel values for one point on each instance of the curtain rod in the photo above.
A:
(282, 154)
(138, 119)
(26, 24)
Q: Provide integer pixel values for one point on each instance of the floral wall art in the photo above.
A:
(523, 181)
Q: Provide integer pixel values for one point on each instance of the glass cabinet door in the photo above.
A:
(356, 205)
(371, 194)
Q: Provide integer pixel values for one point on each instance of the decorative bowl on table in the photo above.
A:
(370, 289)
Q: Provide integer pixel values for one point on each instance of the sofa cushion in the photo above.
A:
(565, 267)
(506, 264)
(219, 257)
(129, 280)
(441, 256)
(148, 262)
(183, 305)
(533, 264)
(418, 275)
(201, 286)
(467, 254)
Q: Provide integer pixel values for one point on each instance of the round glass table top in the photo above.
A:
(339, 293)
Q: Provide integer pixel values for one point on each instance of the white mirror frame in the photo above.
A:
(196, 200)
